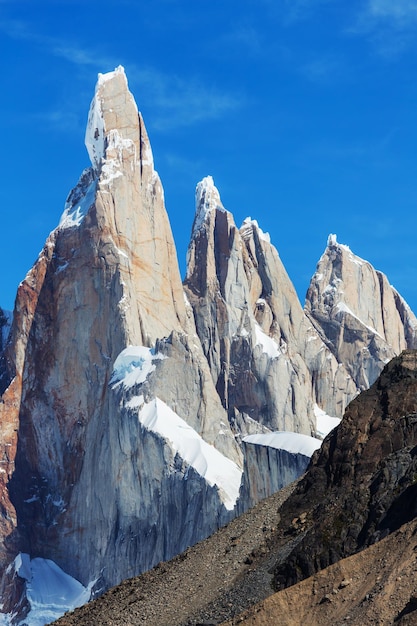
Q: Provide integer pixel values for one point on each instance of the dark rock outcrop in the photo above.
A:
(362, 484)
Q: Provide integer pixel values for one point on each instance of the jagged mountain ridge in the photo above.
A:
(246, 310)
(94, 467)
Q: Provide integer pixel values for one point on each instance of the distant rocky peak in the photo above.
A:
(249, 226)
(362, 319)
(118, 147)
(207, 200)
(342, 249)
(342, 279)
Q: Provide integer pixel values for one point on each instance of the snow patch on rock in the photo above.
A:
(95, 132)
(341, 307)
(269, 345)
(324, 423)
(207, 199)
(332, 240)
(116, 146)
(133, 366)
(103, 78)
(333, 243)
(213, 466)
(49, 590)
(246, 230)
(295, 443)
(74, 213)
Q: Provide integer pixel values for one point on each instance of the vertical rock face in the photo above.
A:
(268, 363)
(361, 317)
(273, 461)
(130, 215)
(96, 485)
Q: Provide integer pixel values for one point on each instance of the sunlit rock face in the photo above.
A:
(363, 320)
(267, 361)
(96, 489)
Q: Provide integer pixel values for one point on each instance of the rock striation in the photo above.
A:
(273, 461)
(362, 319)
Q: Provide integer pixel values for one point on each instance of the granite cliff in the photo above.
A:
(129, 399)
(268, 363)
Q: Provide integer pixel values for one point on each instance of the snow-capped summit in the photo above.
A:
(112, 110)
(102, 484)
(207, 200)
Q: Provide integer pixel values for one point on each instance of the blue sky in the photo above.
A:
(303, 111)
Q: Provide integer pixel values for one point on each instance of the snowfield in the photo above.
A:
(49, 590)
(213, 466)
(133, 366)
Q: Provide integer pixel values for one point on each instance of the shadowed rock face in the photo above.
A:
(360, 316)
(362, 483)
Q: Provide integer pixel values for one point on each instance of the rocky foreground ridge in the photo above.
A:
(129, 398)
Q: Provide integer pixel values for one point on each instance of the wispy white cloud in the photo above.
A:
(79, 55)
(180, 101)
(175, 101)
(70, 51)
(324, 69)
(400, 12)
(390, 25)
